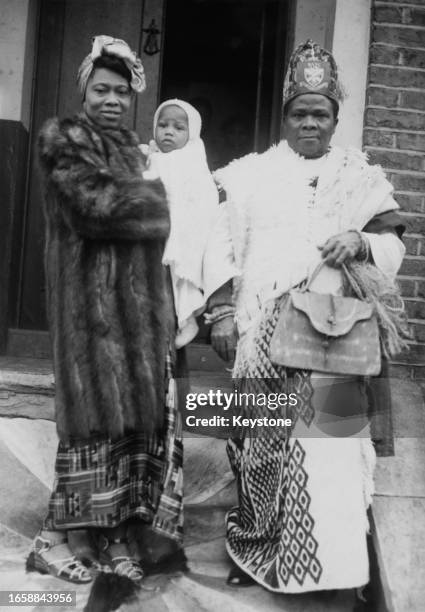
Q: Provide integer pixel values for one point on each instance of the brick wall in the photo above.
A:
(394, 136)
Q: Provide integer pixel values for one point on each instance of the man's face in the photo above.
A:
(309, 125)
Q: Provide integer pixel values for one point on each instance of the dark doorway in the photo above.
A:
(227, 58)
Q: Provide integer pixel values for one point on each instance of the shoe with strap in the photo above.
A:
(60, 564)
(122, 564)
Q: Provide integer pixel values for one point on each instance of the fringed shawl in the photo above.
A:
(282, 207)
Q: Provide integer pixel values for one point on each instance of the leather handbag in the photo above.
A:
(327, 333)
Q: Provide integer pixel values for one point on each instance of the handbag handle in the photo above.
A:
(354, 284)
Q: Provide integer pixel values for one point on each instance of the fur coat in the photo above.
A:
(109, 305)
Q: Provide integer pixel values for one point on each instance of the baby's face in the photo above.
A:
(172, 129)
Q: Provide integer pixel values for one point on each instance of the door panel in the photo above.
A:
(31, 290)
(83, 20)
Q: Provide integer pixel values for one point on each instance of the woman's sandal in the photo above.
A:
(96, 567)
(238, 578)
(122, 565)
(67, 568)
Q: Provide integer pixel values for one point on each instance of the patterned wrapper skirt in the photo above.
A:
(301, 524)
(101, 483)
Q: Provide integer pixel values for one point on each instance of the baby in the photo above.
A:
(177, 156)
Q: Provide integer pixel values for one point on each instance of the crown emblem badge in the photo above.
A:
(314, 74)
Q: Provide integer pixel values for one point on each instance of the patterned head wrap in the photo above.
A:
(106, 45)
(312, 69)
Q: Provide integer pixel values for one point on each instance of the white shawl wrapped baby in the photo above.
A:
(193, 202)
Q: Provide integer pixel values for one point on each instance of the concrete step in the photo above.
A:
(27, 385)
(210, 491)
(28, 445)
(398, 511)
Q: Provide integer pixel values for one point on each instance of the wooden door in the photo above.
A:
(66, 28)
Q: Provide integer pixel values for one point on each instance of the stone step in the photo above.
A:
(27, 385)
(398, 514)
(398, 511)
(34, 344)
(203, 589)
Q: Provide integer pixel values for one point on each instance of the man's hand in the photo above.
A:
(224, 338)
(341, 248)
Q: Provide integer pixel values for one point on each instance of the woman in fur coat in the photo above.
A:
(119, 462)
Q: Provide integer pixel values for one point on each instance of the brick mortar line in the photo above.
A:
(398, 89)
(407, 364)
(404, 26)
(406, 192)
(395, 150)
(401, 46)
(398, 5)
(410, 365)
(398, 2)
(394, 130)
(412, 278)
(398, 67)
(411, 173)
(415, 299)
(411, 214)
(414, 257)
(401, 109)
(414, 236)
(398, 109)
(414, 6)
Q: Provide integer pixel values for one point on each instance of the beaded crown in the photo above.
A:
(312, 69)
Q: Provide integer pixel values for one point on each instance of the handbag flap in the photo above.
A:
(329, 314)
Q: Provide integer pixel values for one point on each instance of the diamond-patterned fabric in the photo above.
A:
(271, 533)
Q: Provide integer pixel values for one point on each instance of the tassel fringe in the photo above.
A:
(383, 292)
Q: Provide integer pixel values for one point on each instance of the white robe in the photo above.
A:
(268, 232)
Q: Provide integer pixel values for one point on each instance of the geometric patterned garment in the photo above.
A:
(301, 522)
(101, 483)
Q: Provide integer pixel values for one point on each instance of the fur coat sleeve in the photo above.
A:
(97, 175)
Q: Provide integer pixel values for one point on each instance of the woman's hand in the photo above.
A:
(224, 338)
(341, 248)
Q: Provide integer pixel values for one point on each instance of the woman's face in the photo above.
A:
(309, 124)
(172, 128)
(108, 98)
